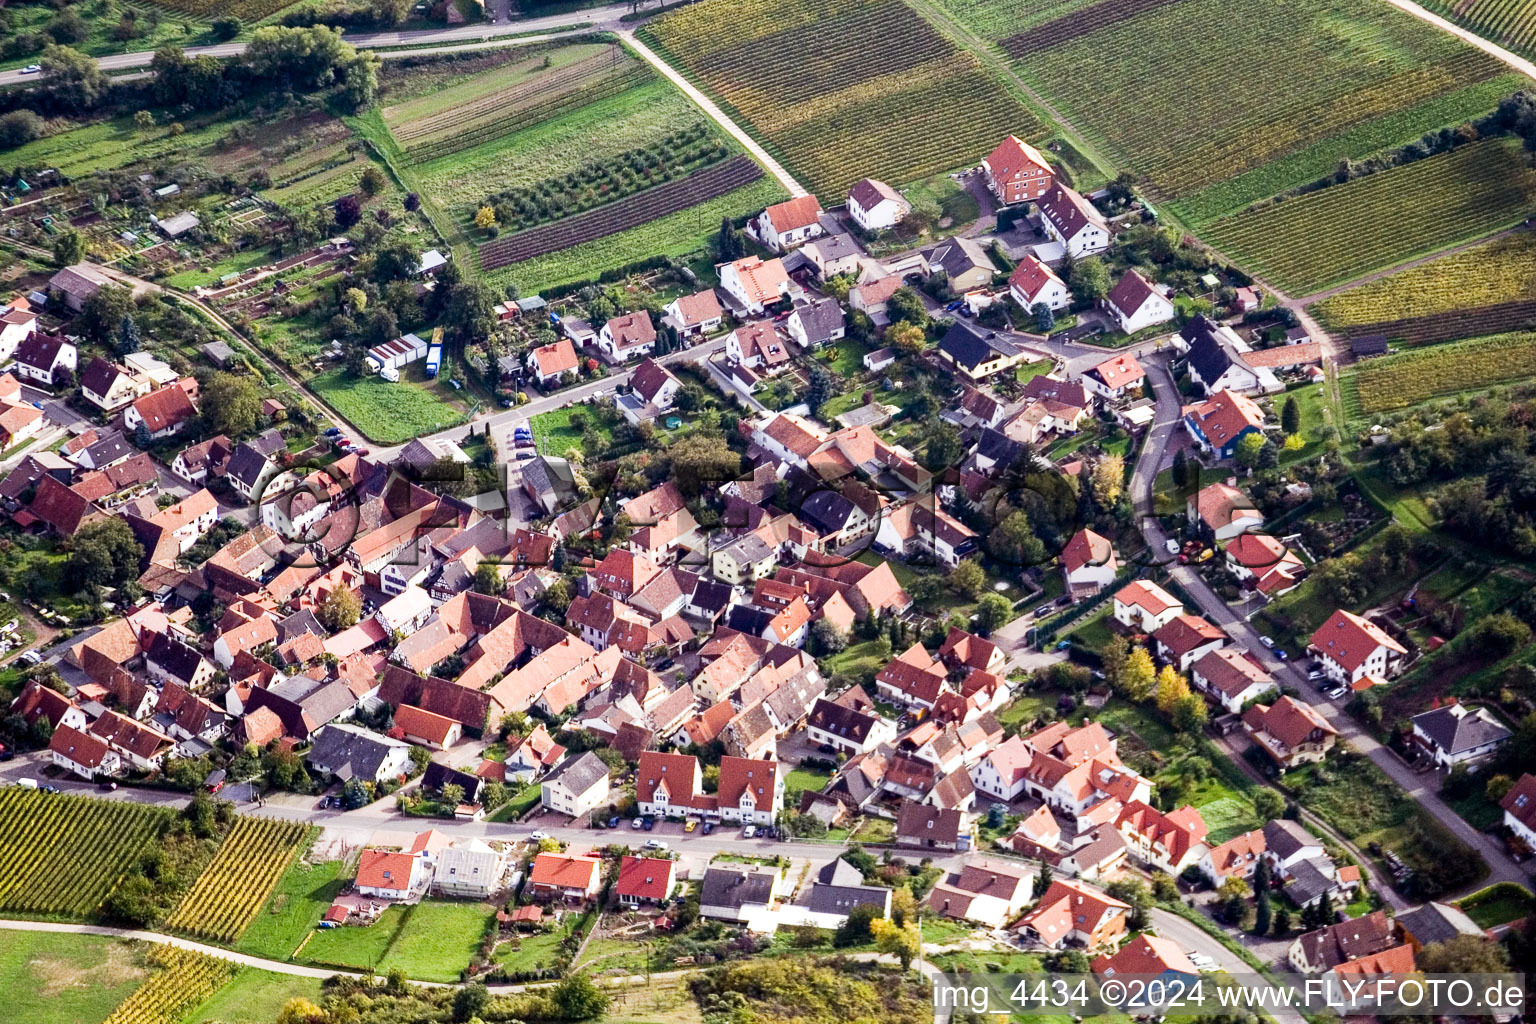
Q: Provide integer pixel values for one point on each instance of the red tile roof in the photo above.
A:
(559, 357)
(1012, 157)
(645, 878)
(1087, 548)
(1031, 276)
(800, 212)
(565, 871)
(1348, 639)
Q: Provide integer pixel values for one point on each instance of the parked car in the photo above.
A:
(50, 789)
(709, 827)
(106, 784)
(6, 753)
(749, 832)
(332, 431)
(654, 844)
(31, 69)
(648, 823)
(690, 825)
(636, 824)
(1267, 641)
(535, 837)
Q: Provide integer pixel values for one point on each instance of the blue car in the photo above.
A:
(648, 824)
(332, 431)
(1282, 655)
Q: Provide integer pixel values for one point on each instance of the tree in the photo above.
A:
(1268, 804)
(903, 905)
(485, 218)
(232, 404)
(1342, 580)
(1139, 677)
(1113, 656)
(819, 391)
(19, 127)
(1249, 448)
(1135, 892)
(300, 1011)
(1090, 280)
(1190, 714)
(1282, 920)
(1262, 916)
(728, 242)
(489, 580)
(225, 28)
(905, 305)
(1498, 636)
(1108, 479)
(68, 247)
(129, 339)
(1045, 319)
(340, 610)
(1180, 469)
(968, 578)
(1171, 688)
(104, 554)
(903, 941)
(1290, 416)
(143, 120)
(944, 448)
(992, 611)
(1046, 875)
(74, 81)
(1464, 954)
(703, 462)
(578, 999)
(825, 639)
(347, 211)
(907, 339)
(855, 929)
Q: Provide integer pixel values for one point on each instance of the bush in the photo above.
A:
(19, 127)
(226, 27)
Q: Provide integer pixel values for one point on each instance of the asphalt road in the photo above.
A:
(599, 17)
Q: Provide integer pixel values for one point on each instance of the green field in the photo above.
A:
(532, 950)
(438, 940)
(554, 434)
(294, 908)
(844, 88)
(63, 855)
(387, 413)
(254, 997)
(65, 979)
(1192, 94)
(357, 947)
(1406, 379)
(1309, 242)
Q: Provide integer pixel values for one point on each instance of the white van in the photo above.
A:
(27, 783)
(390, 374)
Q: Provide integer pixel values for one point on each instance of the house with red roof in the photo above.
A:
(164, 411)
(1353, 648)
(1146, 956)
(696, 314)
(1144, 606)
(1290, 731)
(1077, 913)
(1171, 841)
(1002, 773)
(627, 336)
(393, 874)
(1223, 510)
(1135, 303)
(785, 225)
(987, 891)
(566, 876)
(18, 421)
(1265, 563)
(1231, 677)
(1017, 172)
(645, 880)
(1033, 283)
(672, 785)
(622, 572)
(1519, 806)
(1238, 856)
(1218, 423)
(429, 730)
(1115, 377)
(1088, 563)
(751, 791)
(755, 283)
(1184, 639)
(760, 347)
(913, 678)
(876, 206)
(1069, 218)
(85, 755)
(548, 363)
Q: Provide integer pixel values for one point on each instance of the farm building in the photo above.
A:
(402, 352)
(175, 227)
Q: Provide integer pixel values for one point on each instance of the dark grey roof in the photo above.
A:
(841, 899)
(350, 753)
(956, 256)
(1105, 845)
(268, 442)
(820, 319)
(790, 701)
(110, 449)
(746, 619)
(966, 347)
(841, 873)
(842, 722)
(1437, 922)
(1455, 728)
(299, 623)
(750, 548)
(1308, 882)
(1207, 355)
(246, 464)
(1283, 837)
(547, 475)
(579, 774)
(711, 596)
(439, 775)
(998, 447)
(175, 657)
(735, 887)
(219, 352)
(836, 247)
(827, 510)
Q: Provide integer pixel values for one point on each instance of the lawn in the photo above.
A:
(438, 939)
(559, 430)
(387, 413)
(1499, 904)
(353, 946)
(254, 997)
(801, 780)
(617, 956)
(65, 979)
(532, 951)
(860, 660)
(1092, 631)
(295, 908)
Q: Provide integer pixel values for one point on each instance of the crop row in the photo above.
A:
(182, 980)
(699, 187)
(1496, 272)
(1510, 23)
(525, 117)
(1459, 323)
(1195, 92)
(1414, 377)
(1076, 24)
(869, 88)
(65, 854)
(1341, 232)
(515, 97)
(228, 894)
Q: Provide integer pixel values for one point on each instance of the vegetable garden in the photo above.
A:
(232, 889)
(65, 854)
(182, 981)
(701, 186)
(1501, 271)
(1413, 377)
(1193, 93)
(1306, 243)
(844, 89)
